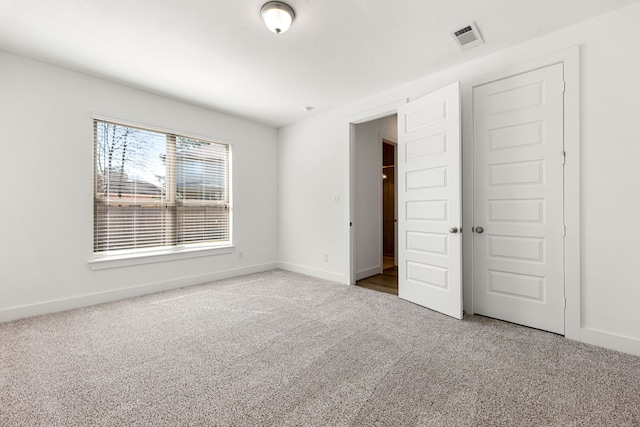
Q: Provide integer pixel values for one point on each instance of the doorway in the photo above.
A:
(387, 280)
(374, 204)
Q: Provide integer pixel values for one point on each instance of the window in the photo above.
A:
(158, 190)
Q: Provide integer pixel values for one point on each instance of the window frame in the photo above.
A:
(137, 256)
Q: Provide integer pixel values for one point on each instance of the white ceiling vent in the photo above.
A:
(468, 37)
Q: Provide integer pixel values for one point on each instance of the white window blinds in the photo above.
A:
(156, 190)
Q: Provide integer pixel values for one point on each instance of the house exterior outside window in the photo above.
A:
(156, 190)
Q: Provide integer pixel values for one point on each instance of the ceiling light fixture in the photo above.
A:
(277, 16)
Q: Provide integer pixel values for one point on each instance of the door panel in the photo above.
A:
(518, 199)
(429, 201)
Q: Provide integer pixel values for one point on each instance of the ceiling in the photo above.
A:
(218, 54)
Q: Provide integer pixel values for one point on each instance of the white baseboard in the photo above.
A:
(14, 313)
(368, 272)
(321, 274)
(610, 341)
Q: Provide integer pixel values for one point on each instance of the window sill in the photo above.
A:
(102, 262)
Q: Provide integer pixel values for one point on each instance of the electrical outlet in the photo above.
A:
(326, 257)
(336, 198)
(241, 254)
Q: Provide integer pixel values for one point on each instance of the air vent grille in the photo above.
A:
(468, 37)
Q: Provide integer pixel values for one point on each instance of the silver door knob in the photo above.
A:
(479, 230)
(453, 230)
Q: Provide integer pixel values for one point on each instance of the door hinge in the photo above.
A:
(564, 302)
(564, 86)
(564, 157)
(564, 231)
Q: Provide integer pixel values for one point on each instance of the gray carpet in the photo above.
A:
(280, 349)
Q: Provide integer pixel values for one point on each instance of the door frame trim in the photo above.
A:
(384, 138)
(570, 58)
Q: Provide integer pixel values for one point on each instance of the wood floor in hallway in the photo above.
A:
(385, 282)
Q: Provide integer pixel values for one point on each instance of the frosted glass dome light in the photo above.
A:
(277, 16)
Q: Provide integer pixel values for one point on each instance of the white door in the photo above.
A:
(429, 207)
(518, 256)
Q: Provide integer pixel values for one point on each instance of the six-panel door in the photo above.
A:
(429, 201)
(518, 256)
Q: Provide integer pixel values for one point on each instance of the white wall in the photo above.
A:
(46, 168)
(609, 127)
(367, 195)
(312, 165)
